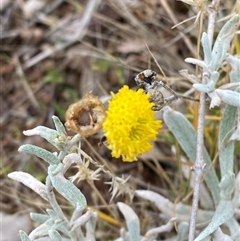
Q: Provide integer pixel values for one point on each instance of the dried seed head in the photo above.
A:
(86, 116)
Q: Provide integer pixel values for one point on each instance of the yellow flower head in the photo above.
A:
(130, 125)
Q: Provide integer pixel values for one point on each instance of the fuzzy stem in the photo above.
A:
(199, 164)
(52, 200)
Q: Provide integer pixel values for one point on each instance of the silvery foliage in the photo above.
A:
(224, 198)
(213, 59)
(225, 194)
(54, 225)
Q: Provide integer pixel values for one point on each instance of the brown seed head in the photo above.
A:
(86, 116)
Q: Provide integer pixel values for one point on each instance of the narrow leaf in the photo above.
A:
(206, 48)
(229, 97)
(226, 147)
(180, 210)
(204, 88)
(59, 126)
(235, 65)
(39, 217)
(48, 134)
(198, 62)
(227, 186)
(132, 221)
(187, 138)
(54, 235)
(24, 236)
(163, 204)
(42, 230)
(39, 152)
(223, 213)
(29, 181)
(67, 189)
(223, 40)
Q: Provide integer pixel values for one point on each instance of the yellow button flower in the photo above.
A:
(130, 125)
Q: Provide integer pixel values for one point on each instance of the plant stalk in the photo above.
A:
(200, 164)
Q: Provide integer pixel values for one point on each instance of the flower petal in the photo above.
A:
(130, 125)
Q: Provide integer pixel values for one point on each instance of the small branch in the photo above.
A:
(52, 200)
(199, 164)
